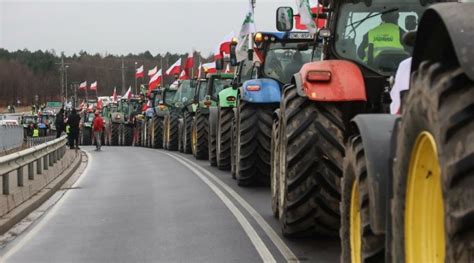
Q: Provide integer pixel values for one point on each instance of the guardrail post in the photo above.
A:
(45, 162)
(31, 174)
(6, 183)
(19, 175)
(39, 164)
(50, 157)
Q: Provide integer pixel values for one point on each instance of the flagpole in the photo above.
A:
(162, 77)
(136, 63)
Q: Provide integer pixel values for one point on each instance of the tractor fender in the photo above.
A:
(376, 131)
(346, 81)
(213, 115)
(269, 91)
(445, 34)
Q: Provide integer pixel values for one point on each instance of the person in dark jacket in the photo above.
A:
(73, 121)
(59, 123)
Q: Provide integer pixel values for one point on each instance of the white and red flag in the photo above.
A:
(152, 71)
(128, 94)
(155, 80)
(210, 67)
(99, 104)
(320, 23)
(224, 45)
(183, 75)
(114, 95)
(139, 73)
(189, 61)
(175, 68)
(83, 85)
(93, 86)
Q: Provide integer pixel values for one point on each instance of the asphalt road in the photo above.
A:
(145, 205)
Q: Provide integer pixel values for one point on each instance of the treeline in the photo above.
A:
(25, 74)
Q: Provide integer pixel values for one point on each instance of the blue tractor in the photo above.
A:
(275, 58)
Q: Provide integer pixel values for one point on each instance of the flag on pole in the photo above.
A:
(217, 53)
(320, 23)
(99, 104)
(210, 67)
(224, 45)
(155, 81)
(139, 73)
(128, 94)
(189, 60)
(175, 68)
(152, 71)
(306, 16)
(248, 27)
(114, 95)
(183, 75)
(83, 85)
(93, 86)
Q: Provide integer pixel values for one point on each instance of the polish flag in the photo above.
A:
(320, 23)
(139, 73)
(189, 61)
(210, 67)
(218, 55)
(93, 86)
(183, 75)
(152, 71)
(114, 95)
(175, 68)
(224, 45)
(155, 81)
(99, 104)
(128, 94)
(83, 85)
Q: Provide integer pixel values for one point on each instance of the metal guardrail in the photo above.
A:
(11, 136)
(45, 155)
(31, 141)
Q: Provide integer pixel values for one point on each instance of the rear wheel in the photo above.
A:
(274, 175)
(172, 133)
(358, 242)
(128, 135)
(86, 136)
(433, 204)
(224, 127)
(157, 132)
(186, 135)
(200, 136)
(212, 148)
(115, 134)
(233, 143)
(254, 127)
(312, 150)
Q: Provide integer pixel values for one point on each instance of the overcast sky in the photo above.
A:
(122, 27)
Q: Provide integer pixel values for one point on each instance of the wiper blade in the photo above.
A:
(373, 15)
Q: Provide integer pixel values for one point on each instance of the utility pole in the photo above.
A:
(123, 77)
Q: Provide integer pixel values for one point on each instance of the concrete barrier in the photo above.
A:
(27, 172)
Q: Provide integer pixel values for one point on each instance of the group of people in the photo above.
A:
(70, 123)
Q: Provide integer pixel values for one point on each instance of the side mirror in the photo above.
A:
(233, 56)
(220, 63)
(284, 19)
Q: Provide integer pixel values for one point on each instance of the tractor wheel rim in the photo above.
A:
(424, 212)
(355, 225)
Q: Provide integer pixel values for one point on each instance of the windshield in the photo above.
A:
(202, 90)
(284, 60)
(170, 96)
(219, 84)
(373, 35)
(245, 71)
(185, 91)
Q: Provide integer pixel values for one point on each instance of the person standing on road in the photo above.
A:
(98, 127)
(59, 123)
(73, 121)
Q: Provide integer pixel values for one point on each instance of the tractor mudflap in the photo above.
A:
(365, 199)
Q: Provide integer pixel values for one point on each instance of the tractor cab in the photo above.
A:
(200, 92)
(185, 93)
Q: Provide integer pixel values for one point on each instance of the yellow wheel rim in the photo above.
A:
(424, 212)
(355, 225)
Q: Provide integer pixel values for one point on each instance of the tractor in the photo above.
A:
(200, 123)
(275, 58)
(124, 121)
(87, 118)
(170, 124)
(155, 124)
(188, 113)
(405, 180)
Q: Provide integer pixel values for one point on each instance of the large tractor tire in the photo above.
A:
(224, 133)
(165, 132)
(212, 148)
(86, 136)
(433, 179)
(359, 242)
(275, 171)
(312, 150)
(157, 134)
(254, 129)
(187, 130)
(114, 141)
(180, 137)
(172, 132)
(233, 143)
(128, 135)
(200, 136)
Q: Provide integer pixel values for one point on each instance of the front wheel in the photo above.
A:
(224, 132)
(157, 132)
(433, 180)
(200, 136)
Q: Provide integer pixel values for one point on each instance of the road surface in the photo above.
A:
(145, 205)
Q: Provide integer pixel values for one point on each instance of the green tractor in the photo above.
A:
(87, 118)
(199, 126)
(223, 99)
(124, 121)
(106, 113)
(180, 105)
(155, 123)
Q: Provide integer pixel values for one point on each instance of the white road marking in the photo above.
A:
(282, 247)
(30, 234)
(249, 230)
